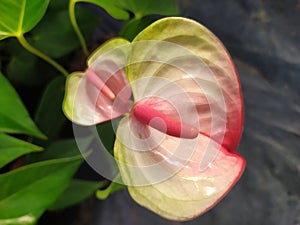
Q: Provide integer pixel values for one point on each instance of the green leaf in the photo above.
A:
(135, 26)
(62, 149)
(13, 116)
(77, 191)
(119, 9)
(12, 148)
(148, 7)
(29, 219)
(58, 5)
(25, 68)
(107, 135)
(110, 7)
(20, 68)
(46, 37)
(49, 116)
(20, 16)
(88, 20)
(35, 187)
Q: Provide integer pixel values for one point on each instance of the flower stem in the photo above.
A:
(76, 27)
(38, 53)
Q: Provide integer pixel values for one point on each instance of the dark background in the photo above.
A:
(263, 38)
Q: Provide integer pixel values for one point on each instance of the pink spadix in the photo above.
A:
(162, 122)
(98, 83)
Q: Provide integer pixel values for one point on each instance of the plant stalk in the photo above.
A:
(76, 27)
(43, 56)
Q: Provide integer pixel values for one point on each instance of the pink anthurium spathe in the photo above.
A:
(94, 96)
(176, 145)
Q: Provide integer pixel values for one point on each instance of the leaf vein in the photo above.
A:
(21, 17)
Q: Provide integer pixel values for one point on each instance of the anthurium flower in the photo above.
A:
(176, 145)
(99, 93)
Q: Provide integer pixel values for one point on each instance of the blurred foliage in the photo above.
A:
(134, 26)
(121, 9)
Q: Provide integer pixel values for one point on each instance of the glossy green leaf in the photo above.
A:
(12, 148)
(110, 7)
(77, 191)
(46, 37)
(148, 7)
(13, 116)
(35, 187)
(49, 116)
(20, 16)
